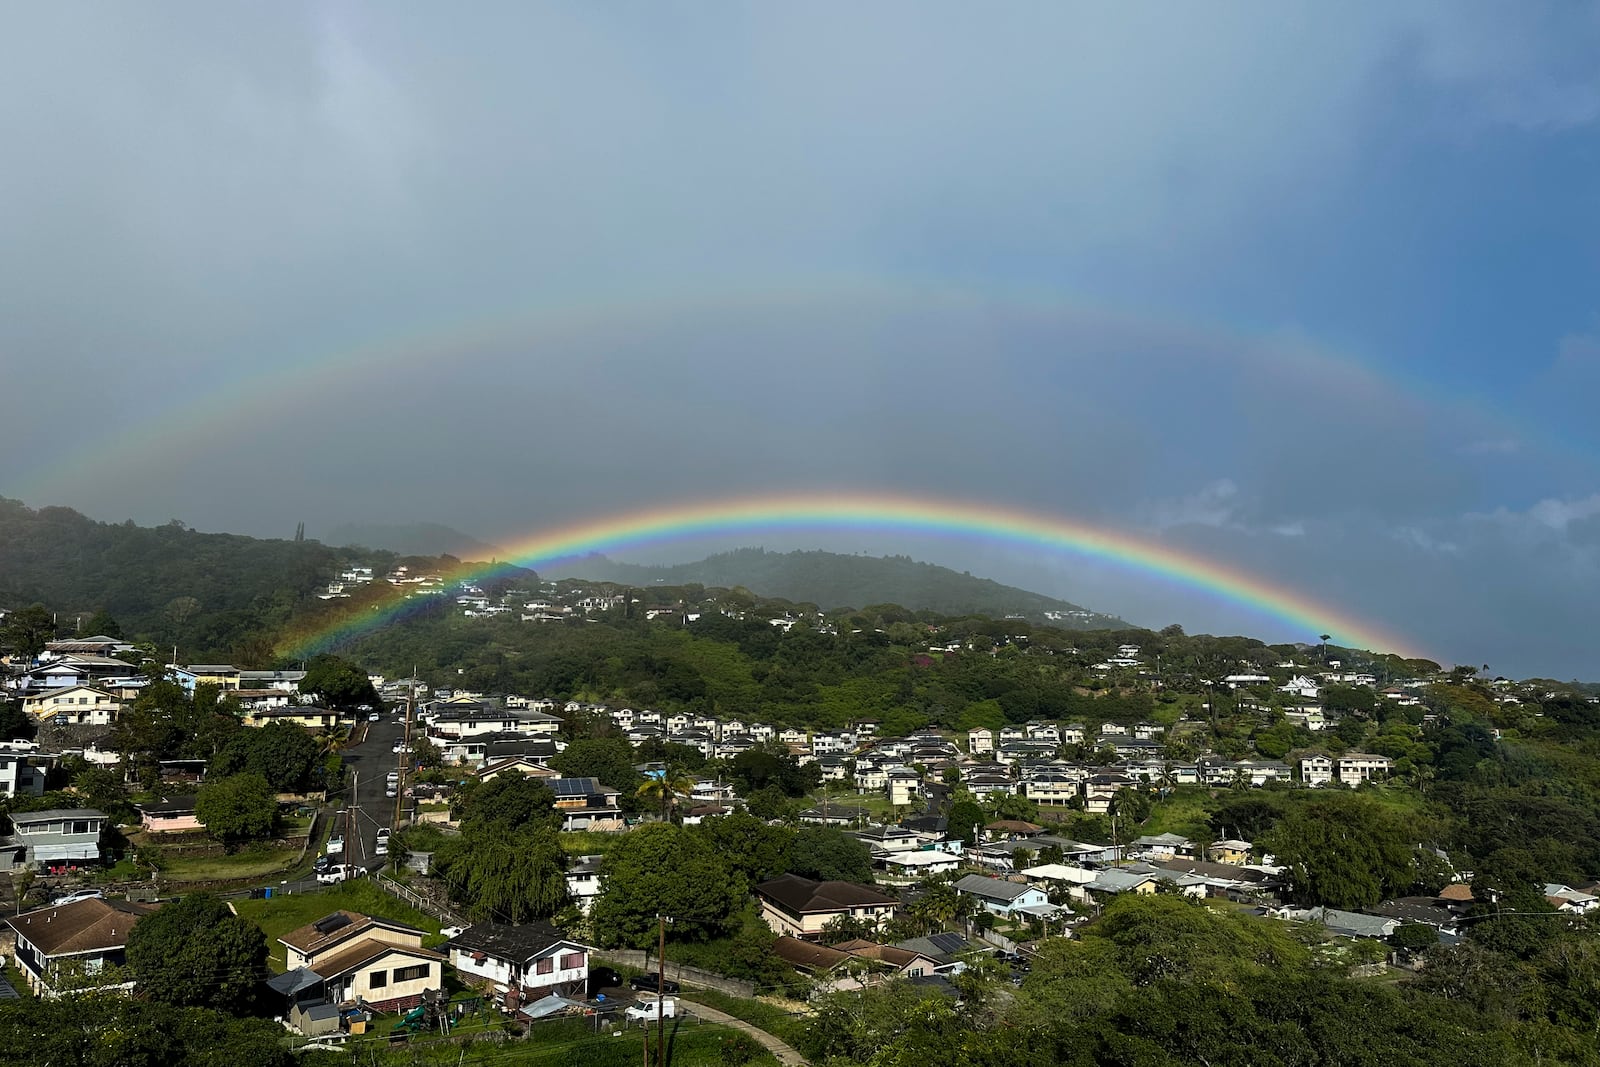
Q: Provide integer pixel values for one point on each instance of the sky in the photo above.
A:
(1306, 291)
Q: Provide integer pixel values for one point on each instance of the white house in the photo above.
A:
(1002, 898)
(535, 958)
(1316, 769)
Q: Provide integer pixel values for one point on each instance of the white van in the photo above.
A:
(650, 1010)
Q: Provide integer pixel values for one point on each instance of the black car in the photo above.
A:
(647, 983)
(322, 864)
(603, 978)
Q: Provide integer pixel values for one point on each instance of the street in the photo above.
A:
(369, 764)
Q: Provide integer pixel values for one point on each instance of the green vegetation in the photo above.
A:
(195, 952)
(281, 914)
(835, 581)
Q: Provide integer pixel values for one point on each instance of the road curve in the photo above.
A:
(786, 1055)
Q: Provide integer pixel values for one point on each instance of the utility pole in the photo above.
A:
(661, 992)
(350, 815)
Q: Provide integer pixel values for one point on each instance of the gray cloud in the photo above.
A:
(929, 249)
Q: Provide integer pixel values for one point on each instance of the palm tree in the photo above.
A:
(668, 788)
(1325, 639)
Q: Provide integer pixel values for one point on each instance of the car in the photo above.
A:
(374, 717)
(81, 894)
(603, 978)
(390, 791)
(335, 844)
(381, 848)
(321, 864)
(649, 1010)
(647, 983)
(339, 872)
(383, 833)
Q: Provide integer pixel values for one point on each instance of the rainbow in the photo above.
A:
(793, 513)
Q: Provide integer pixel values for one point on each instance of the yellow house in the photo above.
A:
(74, 705)
(800, 907)
(221, 675)
(312, 718)
(357, 956)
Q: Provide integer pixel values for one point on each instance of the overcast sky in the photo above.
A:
(1312, 292)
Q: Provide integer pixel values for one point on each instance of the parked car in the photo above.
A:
(374, 717)
(335, 844)
(647, 982)
(651, 1010)
(321, 863)
(603, 978)
(339, 872)
(382, 848)
(81, 894)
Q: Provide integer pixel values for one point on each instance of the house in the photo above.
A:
(1565, 898)
(74, 705)
(308, 716)
(583, 881)
(901, 785)
(66, 944)
(527, 766)
(1316, 769)
(221, 675)
(586, 804)
(1231, 851)
(55, 839)
(1164, 846)
(980, 741)
(359, 957)
(1110, 883)
(1002, 898)
(1342, 923)
(801, 907)
(808, 957)
(833, 816)
(169, 816)
(18, 775)
(535, 958)
(914, 865)
(1358, 767)
(901, 962)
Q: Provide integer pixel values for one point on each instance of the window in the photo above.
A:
(572, 961)
(411, 974)
(546, 965)
(80, 826)
(378, 979)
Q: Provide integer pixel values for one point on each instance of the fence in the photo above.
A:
(693, 976)
(418, 901)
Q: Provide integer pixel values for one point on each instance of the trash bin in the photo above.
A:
(267, 893)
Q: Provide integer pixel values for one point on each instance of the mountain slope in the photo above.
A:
(832, 580)
(412, 539)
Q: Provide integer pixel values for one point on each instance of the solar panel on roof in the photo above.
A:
(330, 924)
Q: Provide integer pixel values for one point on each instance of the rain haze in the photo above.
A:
(1306, 292)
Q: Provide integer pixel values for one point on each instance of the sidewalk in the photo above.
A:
(786, 1055)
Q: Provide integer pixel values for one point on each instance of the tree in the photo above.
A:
(27, 630)
(282, 753)
(751, 847)
(758, 768)
(506, 865)
(236, 809)
(101, 624)
(335, 682)
(194, 951)
(966, 817)
(828, 854)
(661, 869)
(1343, 851)
(666, 788)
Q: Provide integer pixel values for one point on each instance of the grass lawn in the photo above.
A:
(251, 864)
(1184, 812)
(281, 914)
(558, 1044)
(782, 1022)
(584, 843)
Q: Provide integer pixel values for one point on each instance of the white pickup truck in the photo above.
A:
(651, 1010)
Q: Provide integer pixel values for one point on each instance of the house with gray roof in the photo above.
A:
(1001, 897)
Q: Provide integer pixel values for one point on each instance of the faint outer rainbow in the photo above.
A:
(791, 513)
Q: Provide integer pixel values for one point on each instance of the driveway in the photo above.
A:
(785, 1054)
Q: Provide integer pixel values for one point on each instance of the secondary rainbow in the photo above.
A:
(886, 513)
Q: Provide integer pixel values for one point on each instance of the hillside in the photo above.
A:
(831, 580)
(412, 539)
(212, 594)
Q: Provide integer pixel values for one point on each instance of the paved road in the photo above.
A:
(786, 1055)
(370, 762)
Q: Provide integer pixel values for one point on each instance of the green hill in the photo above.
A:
(412, 539)
(832, 580)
